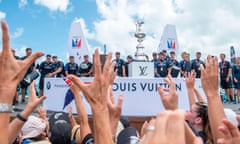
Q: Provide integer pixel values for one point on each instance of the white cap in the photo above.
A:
(231, 115)
(33, 127)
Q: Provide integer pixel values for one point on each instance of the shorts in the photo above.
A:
(225, 84)
(237, 85)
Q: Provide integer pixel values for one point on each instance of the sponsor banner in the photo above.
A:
(77, 44)
(140, 95)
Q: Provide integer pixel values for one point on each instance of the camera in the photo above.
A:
(29, 78)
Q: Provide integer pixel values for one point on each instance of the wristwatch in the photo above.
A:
(5, 108)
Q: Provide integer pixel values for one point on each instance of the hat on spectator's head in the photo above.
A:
(117, 53)
(75, 138)
(60, 128)
(33, 127)
(128, 136)
(231, 115)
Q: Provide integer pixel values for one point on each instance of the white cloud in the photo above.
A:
(22, 3)
(207, 26)
(2, 15)
(21, 51)
(19, 31)
(54, 5)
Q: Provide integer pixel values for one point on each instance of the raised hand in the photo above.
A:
(169, 95)
(12, 71)
(114, 109)
(96, 92)
(230, 131)
(209, 76)
(168, 128)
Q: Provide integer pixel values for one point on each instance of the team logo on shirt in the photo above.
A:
(76, 42)
(171, 43)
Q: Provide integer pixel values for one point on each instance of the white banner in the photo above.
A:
(77, 44)
(140, 95)
(169, 40)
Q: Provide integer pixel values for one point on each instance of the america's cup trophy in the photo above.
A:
(139, 54)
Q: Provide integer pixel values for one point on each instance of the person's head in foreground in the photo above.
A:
(34, 130)
(197, 117)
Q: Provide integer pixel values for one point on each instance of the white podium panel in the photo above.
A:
(141, 69)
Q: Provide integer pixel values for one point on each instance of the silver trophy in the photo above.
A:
(139, 54)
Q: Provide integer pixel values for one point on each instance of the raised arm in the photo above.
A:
(199, 96)
(16, 125)
(82, 114)
(96, 95)
(11, 73)
(190, 83)
(209, 79)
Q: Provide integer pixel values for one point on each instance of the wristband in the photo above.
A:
(5, 108)
(21, 118)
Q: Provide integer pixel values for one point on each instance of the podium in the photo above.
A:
(141, 69)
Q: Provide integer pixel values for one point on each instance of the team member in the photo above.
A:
(129, 60)
(45, 68)
(119, 65)
(30, 70)
(195, 64)
(58, 68)
(155, 57)
(225, 77)
(175, 65)
(86, 67)
(71, 67)
(162, 68)
(185, 64)
(236, 77)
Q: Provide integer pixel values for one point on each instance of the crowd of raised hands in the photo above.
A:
(172, 126)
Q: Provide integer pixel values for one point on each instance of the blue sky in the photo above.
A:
(202, 25)
(43, 29)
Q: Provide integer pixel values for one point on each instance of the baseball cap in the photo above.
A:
(60, 128)
(128, 136)
(33, 127)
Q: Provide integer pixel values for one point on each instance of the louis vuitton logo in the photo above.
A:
(143, 70)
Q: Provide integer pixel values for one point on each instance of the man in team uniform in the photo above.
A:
(45, 68)
(195, 64)
(58, 68)
(30, 70)
(120, 65)
(71, 67)
(162, 68)
(86, 67)
(155, 57)
(129, 60)
(175, 65)
(185, 65)
(225, 77)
